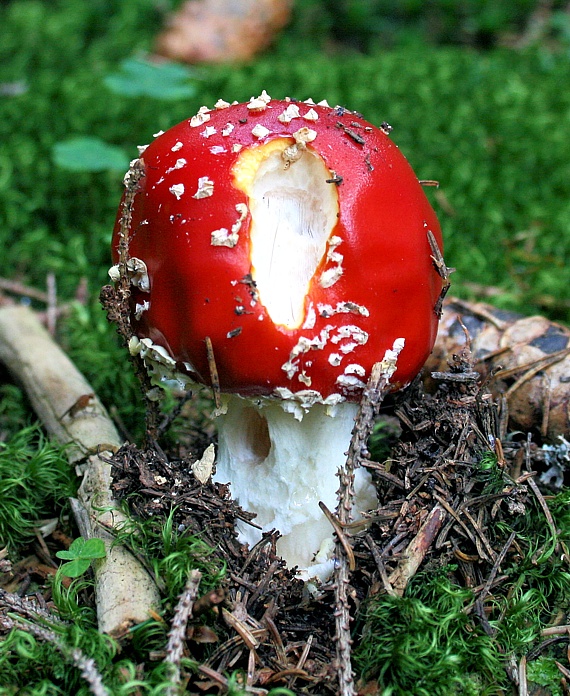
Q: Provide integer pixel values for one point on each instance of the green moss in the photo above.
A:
(35, 481)
(490, 127)
(172, 554)
(426, 645)
(429, 643)
(544, 672)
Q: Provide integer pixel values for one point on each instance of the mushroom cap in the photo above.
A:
(199, 212)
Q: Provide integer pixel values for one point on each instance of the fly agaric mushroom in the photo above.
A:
(286, 243)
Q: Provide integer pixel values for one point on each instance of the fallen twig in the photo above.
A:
(495, 569)
(124, 590)
(115, 300)
(86, 665)
(177, 632)
(523, 685)
(417, 549)
(376, 389)
(379, 565)
(51, 310)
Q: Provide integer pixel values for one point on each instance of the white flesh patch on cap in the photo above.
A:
(223, 237)
(260, 131)
(311, 317)
(350, 382)
(205, 188)
(304, 345)
(293, 212)
(159, 364)
(357, 334)
(177, 165)
(355, 369)
(291, 112)
(327, 310)
(140, 308)
(136, 272)
(330, 275)
(298, 403)
(201, 117)
(335, 359)
(177, 190)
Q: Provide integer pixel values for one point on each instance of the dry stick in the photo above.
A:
(376, 389)
(540, 498)
(416, 551)
(116, 300)
(212, 674)
(277, 641)
(177, 632)
(29, 608)
(16, 288)
(379, 564)
(555, 630)
(51, 310)
(343, 540)
(57, 392)
(214, 378)
(547, 514)
(442, 269)
(564, 671)
(495, 569)
(523, 685)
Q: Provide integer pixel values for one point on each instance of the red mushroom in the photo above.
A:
(294, 236)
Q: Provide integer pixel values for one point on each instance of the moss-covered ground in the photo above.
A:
(492, 125)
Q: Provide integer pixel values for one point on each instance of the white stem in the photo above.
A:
(280, 468)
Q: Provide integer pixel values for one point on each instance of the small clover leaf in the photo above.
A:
(89, 154)
(141, 78)
(79, 556)
(73, 569)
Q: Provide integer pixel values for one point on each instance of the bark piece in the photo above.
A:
(73, 415)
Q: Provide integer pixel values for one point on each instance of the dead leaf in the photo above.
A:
(222, 31)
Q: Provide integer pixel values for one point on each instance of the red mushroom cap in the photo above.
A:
(212, 187)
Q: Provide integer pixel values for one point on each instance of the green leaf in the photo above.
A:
(77, 546)
(89, 154)
(84, 549)
(66, 555)
(140, 78)
(93, 548)
(75, 568)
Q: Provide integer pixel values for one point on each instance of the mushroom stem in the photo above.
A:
(281, 468)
